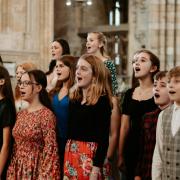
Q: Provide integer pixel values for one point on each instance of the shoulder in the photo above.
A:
(129, 92)
(47, 112)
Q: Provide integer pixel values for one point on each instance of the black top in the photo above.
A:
(91, 123)
(135, 109)
(7, 117)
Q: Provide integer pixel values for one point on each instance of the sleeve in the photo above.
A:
(50, 165)
(7, 116)
(125, 102)
(157, 156)
(111, 66)
(104, 113)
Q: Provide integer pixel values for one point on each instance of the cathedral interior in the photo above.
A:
(27, 28)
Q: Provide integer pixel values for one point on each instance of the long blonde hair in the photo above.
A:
(100, 84)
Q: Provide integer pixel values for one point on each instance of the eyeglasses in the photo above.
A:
(26, 83)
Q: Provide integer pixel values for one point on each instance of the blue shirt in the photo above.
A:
(61, 110)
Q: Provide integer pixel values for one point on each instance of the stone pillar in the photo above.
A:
(26, 30)
(156, 25)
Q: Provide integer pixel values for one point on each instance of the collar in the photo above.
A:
(176, 107)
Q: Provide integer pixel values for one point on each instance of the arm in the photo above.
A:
(157, 156)
(103, 115)
(114, 128)
(5, 148)
(125, 125)
(50, 167)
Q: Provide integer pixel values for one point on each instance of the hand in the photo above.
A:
(93, 176)
(137, 178)
(121, 164)
(107, 167)
(94, 173)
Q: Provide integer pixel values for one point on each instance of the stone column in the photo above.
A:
(26, 31)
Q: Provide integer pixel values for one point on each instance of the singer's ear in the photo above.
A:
(2, 81)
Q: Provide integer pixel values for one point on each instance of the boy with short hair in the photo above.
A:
(148, 134)
(166, 158)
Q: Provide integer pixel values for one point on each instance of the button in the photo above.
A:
(177, 164)
(168, 149)
(177, 150)
(167, 176)
(167, 162)
(177, 177)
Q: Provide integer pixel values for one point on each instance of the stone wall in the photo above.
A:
(155, 25)
(26, 29)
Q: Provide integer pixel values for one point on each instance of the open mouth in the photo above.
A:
(137, 69)
(172, 92)
(79, 79)
(156, 95)
(22, 93)
(53, 54)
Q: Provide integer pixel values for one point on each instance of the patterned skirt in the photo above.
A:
(78, 160)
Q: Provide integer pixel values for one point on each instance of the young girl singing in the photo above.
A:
(89, 121)
(137, 102)
(7, 119)
(35, 151)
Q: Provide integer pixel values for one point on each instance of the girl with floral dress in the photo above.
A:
(35, 151)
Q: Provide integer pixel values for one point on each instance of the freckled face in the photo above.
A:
(142, 65)
(84, 74)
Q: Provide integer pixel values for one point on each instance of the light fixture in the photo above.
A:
(83, 2)
(68, 3)
(89, 2)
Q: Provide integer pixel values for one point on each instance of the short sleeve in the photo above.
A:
(125, 102)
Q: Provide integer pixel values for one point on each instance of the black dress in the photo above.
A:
(135, 109)
(7, 119)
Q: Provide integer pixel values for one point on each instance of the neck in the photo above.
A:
(35, 104)
(65, 84)
(99, 55)
(164, 106)
(145, 83)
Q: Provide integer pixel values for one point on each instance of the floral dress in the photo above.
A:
(111, 66)
(35, 152)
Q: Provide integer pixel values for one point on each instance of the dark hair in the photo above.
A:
(40, 77)
(64, 44)
(1, 61)
(6, 89)
(160, 75)
(52, 65)
(69, 61)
